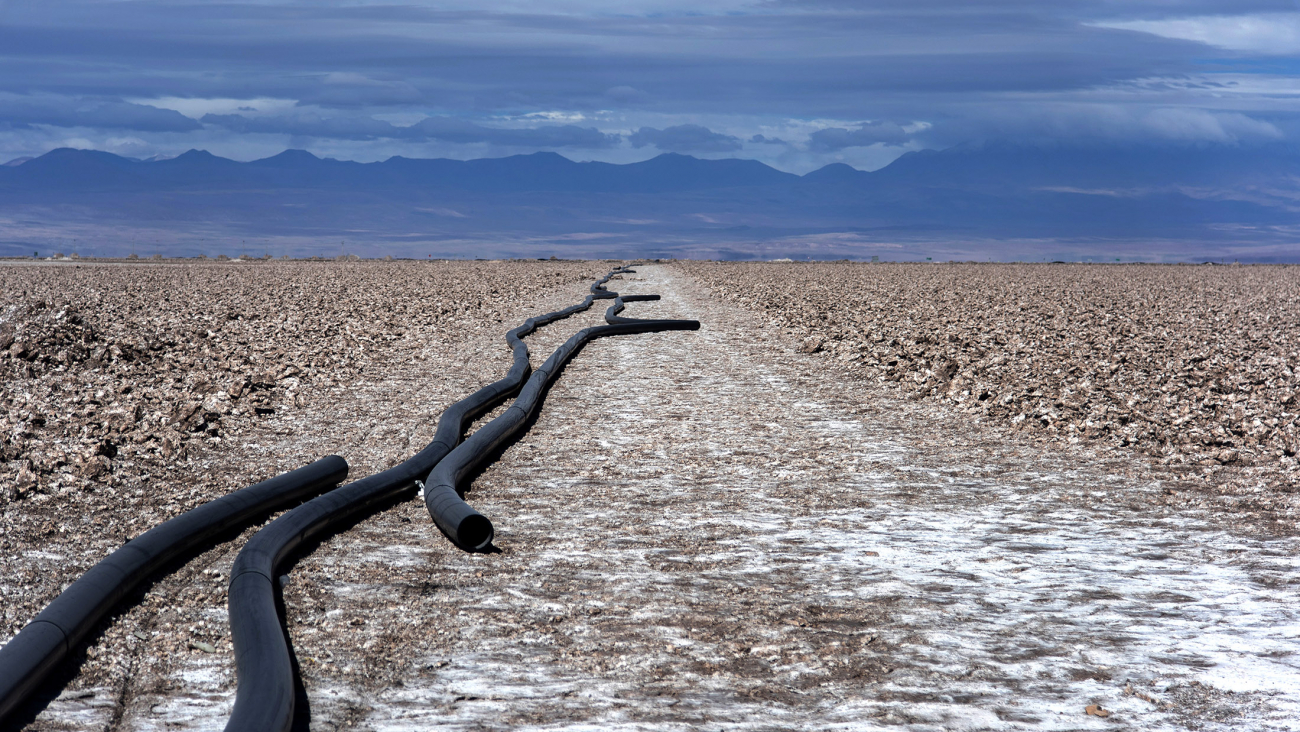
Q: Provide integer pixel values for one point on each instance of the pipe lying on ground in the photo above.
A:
(29, 656)
(466, 527)
(457, 520)
(264, 697)
(612, 312)
(598, 290)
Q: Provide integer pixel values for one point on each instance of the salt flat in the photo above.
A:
(714, 530)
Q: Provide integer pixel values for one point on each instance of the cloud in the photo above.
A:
(834, 62)
(623, 94)
(351, 89)
(454, 129)
(196, 107)
(306, 124)
(1079, 9)
(137, 117)
(352, 75)
(1265, 33)
(129, 146)
(447, 129)
(61, 111)
(685, 138)
(1104, 124)
(872, 133)
(1199, 125)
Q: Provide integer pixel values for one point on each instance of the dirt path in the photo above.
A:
(709, 530)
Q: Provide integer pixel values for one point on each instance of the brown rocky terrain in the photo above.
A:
(122, 385)
(720, 529)
(1195, 366)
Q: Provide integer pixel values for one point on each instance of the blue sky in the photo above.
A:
(794, 83)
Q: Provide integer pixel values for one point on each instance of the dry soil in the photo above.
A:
(721, 529)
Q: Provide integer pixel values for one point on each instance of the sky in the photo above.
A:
(797, 84)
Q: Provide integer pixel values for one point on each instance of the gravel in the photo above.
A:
(715, 529)
(132, 393)
(1193, 366)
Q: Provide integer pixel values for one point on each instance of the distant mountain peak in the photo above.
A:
(191, 154)
(68, 152)
(17, 161)
(72, 157)
(290, 156)
(835, 171)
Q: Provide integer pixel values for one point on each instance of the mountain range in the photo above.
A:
(968, 202)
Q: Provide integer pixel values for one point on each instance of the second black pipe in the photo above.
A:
(264, 696)
(458, 521)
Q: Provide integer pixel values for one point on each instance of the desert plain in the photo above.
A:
(903, 496)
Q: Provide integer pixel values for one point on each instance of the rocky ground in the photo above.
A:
(128, 393)
(712, 529)
(1197, 367)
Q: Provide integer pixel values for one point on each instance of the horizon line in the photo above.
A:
(24, 159)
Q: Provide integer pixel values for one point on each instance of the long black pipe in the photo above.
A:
(30, 656)
(612, 312)
(264, 697)
(467, 528)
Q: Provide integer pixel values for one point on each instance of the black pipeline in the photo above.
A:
(467, 528)
(612, 312)
(29, 657)
(264, 697)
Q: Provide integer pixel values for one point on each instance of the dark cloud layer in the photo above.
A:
(685, 139)
(813, 64)
(24, 110)
(453, 129)
(795, 77)
(449, 129)
(838, 138)
(306, 125)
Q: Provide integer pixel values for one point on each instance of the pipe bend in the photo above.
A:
(264, 697)
(444, 501)
(28, 657)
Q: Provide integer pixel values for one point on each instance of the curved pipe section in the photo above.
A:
(466, 527)
(458, 521)
(264, 697)
(613, 318)
(29, 656)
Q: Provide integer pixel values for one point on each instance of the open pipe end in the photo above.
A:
(475, 533)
